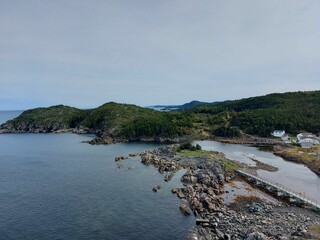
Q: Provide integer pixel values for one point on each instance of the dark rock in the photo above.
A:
(133, 154)
(174, 190)
(168, 177)
(185, 209)
(156, 189)
(119, 158)
(180, 194)
(256, 236)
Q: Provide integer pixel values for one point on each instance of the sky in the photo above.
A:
(85, 53)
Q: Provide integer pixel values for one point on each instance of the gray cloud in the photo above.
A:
(84, 53)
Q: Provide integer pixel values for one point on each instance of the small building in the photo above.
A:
(306, 143)
(278, 133)
(307, 140)
(285, 137)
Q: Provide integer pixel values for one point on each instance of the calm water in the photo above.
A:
(52, 186)
(296, 177)
(7, 115)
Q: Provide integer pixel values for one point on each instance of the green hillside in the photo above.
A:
(293, 112)
(118, 121)
(130, 121)
(45, 119)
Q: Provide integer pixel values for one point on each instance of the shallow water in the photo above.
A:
(296, 177)
(238, 188)
(52, 186)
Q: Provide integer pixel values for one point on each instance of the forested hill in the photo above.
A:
(292, 111)
(113, 122)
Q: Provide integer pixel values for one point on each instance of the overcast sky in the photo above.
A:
(85, 53)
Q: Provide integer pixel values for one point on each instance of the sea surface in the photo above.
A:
(53, 186)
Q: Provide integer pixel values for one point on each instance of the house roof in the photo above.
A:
(307, 135)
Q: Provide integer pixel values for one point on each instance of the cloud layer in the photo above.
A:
(85, 53)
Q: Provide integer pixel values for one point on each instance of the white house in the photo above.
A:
(307, 140)
(278, 133)
(306, 144)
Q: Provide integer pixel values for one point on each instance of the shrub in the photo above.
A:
(189, 146)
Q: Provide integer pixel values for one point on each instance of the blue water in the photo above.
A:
(7, 115)
(52, 186)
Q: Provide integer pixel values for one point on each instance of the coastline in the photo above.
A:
(278, 148)
(203, 196)
(247, 216)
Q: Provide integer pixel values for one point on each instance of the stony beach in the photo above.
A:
(248, 217)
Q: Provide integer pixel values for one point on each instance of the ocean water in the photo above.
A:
(53, 186)
(7, 115)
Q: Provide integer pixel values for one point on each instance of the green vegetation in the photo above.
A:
(51, 118)
(229, 164)
(189, 146)
(292, 112)
(199, 153)
(117, 120)
(226, 131)
(315, 231)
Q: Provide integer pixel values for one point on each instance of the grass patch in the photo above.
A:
(230, 165)
(315, 231)
(303, 153)
(197, 153)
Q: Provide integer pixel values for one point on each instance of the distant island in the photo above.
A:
(185, 106)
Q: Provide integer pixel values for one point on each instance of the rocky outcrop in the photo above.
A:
(24, 127)
(156, 188)
(185, 209)
(120, 158)
(246, 219)
(163, 163)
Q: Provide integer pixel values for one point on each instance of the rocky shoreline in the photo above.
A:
(110, 138)
(247, 218)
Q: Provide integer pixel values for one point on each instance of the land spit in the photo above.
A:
(248, 217)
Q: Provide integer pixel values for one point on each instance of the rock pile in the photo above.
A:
(246, 219)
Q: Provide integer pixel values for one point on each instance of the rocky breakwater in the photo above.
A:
(248, 218)
(204, 187)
